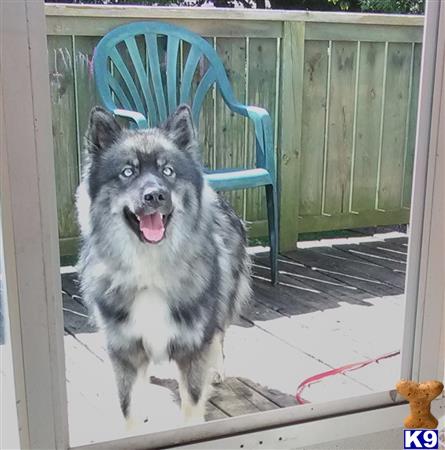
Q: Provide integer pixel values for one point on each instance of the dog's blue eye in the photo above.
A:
(167, 171)
(127, 172)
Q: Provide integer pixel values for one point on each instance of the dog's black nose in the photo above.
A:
(155, 197)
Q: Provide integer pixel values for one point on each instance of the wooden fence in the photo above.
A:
(341, 88)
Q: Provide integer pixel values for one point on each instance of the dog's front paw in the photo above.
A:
(195, 420)
(217, 376)
(193, 414)
(134, 423)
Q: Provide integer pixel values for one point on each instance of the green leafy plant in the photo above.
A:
(393, 6)
(344, 5)
(378, 6)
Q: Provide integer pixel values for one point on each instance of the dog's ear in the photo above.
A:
(180, 129)
(103, 130)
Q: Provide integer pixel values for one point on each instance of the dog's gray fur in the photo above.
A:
(169, 300)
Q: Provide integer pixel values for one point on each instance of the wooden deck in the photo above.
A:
(336, 304)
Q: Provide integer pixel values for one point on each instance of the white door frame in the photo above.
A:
(426, 264)
(29, 221)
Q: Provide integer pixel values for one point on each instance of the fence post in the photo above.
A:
(292, 70)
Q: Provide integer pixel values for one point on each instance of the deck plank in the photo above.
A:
(274, 395)
(76, 317)
(259, 308)
(275, 364)
(374, 255)
(291, 301)
(327, 287)
(388, 251)
(342, 337)
(236, 398)
(397, 244)
(375, 270)
(369, 277)
(212, 411)
(400, 241)
(71, 284)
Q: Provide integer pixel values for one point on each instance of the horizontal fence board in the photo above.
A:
(69, 249)
(257, 229)
(137, 12)
(308, 224)
(365, 33)
(92, 26)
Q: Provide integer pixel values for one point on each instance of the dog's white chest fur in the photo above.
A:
(150, 320)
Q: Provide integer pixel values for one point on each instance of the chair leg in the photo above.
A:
(272, 217)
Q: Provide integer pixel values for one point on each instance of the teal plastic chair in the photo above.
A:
(133, 83)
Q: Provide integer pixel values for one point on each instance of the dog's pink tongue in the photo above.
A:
(152, 227)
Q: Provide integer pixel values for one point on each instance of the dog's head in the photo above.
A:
(143, 177)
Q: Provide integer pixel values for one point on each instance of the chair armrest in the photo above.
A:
(137, 117)
(252, 112)
(265, 155)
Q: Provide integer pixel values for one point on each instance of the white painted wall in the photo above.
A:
(383, 440)
(386, 440)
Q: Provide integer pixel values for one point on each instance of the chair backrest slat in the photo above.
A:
(172, 70)
(142, 78)
(155, 70)
(127, 78)
(139, 84)
(206, 82)
(189, 70)
(119, 93)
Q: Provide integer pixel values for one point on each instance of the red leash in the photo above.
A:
(348, 368)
